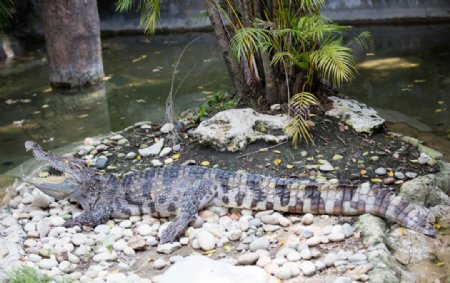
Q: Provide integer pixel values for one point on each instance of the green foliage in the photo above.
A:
(149, 11)
(300, 38)
(220, 101)
(28, 275)
(6, 9)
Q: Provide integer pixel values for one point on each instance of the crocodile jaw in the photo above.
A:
(58, 187)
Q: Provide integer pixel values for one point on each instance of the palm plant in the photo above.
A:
(305, 47)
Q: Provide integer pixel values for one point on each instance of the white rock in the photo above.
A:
(125, 224)
(263, 260)
(293, 267)
(131, 155)
(102, 229)
(168, 248)
(248, 258)
(424, 158)
(116, 232)
(165, 151)
(342, 279)
(336, 237)
(159, 263)
(153, 150)
(57, 220)
(187, 270)
(261, 243)
(294, 256)
(166, 128)
(47, 263)
(308, 268)
(306, 254)
(79, 239)
(330, 259)
(357, 115)
(105, 256)
(144, 229)
(156, 163)
(206, 240)
(120, 245)
(116, 277)
(307, 219)
(283, 221)
(326, 168)
(233, 129)
(283, 273)
(313, 241)
(129, 251)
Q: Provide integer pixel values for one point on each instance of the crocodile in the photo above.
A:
(181, 191)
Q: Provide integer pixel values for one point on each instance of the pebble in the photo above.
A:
(47, 263)
(206, 240)
(159, 264)
(144, 229)
(166, 128)
(261, 243)
(307, 219)
(380, 171)
(128, 251)
(165, 151)
(156, 163)
(57, 220)
(306, 233)
(336, 237)
(330, 259)
(270, 227)
(263, 260)
(131, 155)
(337, 157)
(283, 221)
(153, 150)
(308, 268)
(424, 158)
(283, 273)
(294, 256)
(399, 175)
(306, 254)
(313, 241)
(168, 248)
(320, 265)
(270, 219)
(347, 230)
(105, 256)
(125, 224)
(120, 245)
(357, 257)
(326, 168)
(101, 162)
(102, 229)
(137, 242)
(342, 279)
(41, 201)
(411, 175)
(248, 258)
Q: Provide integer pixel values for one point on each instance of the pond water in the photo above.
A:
(405, 75)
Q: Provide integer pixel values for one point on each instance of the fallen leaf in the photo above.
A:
(227, 247)
(402, 230)
(419, 81)
(139, 157)
(277, 162)
(310, 123)
(289, 166)
(263, 149)
(140, 58)
(176, 156)
(376, 180)
(205, 163)
(363, 172)
(437, 226)
(438, 110)
(209, 252)
(440, 102)
(390, 174)
(276, 151)
(83, 116)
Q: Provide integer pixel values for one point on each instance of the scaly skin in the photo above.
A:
(181, 191)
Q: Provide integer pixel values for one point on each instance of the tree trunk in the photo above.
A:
(72, 35)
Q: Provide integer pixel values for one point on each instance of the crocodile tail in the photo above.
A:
(385, 203)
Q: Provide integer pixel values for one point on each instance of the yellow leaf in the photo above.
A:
(276, 151)
(228, 247)
(139, 157)
(370, 54)
(205, 163)
(176, 156)
(363, 172)
(83, 116)
(419, 81)
(440, 102)
(263, 149)
(106, 78)
(437, 226)
(402, 230)
(414, 161)
(140, 58)
(148, 260)
(438, 110)
(376, 180)
(209, 252)
(390, 174)
(43, 174)
(277, 162)
(289, 166)
(440, 263)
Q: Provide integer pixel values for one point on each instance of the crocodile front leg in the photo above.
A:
(91, 218)
(195, 198)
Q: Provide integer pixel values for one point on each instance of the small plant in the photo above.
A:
(28, 275)
(220, 101)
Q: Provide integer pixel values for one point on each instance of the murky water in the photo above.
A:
(405, 75)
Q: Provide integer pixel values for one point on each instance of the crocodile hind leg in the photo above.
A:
(194, 198)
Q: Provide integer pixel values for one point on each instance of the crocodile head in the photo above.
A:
(76, 175)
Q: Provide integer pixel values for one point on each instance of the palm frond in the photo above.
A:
(312, 6)
(248, 41)
(298, 128)
(362, 40)
(335, 63)
(6, 9)
(149, 11)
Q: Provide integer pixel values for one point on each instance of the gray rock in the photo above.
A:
(101, 162)
(308, 268)
(165, 151)
(424, 158)
(248, 258)
(260, 244)
(357, 257)
(320, 265)
(313, 241)
(156, 163)
(294, 255)
(399, 175)
(326, 168)
(153, 150)
(411, 175)
(41, 201)
(159, 263)
(330, 259)
(357, 115)
(187, 270)
(380, 171)
(306, 254)
(131, 155)
(306, 233)
(47, 263)
(307, 219)
(233, 129)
